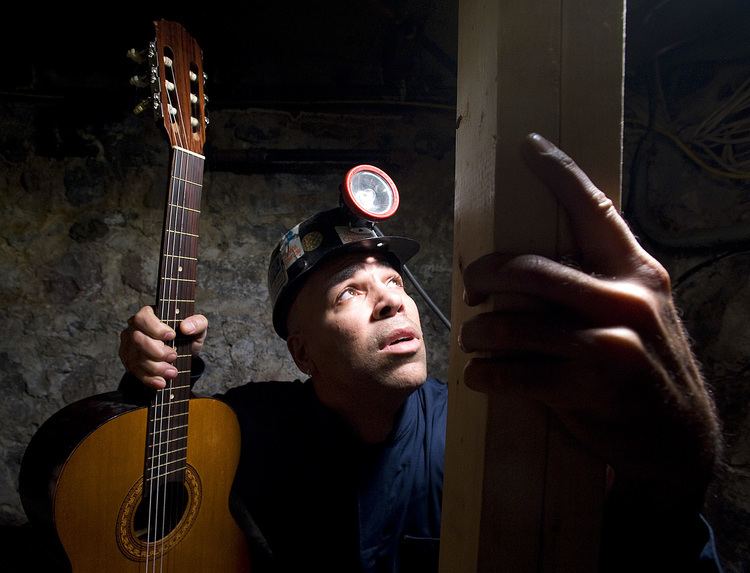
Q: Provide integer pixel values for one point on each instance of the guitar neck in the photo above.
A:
(175, 301)
(179, 245)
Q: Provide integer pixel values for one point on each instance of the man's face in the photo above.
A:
(358, 328)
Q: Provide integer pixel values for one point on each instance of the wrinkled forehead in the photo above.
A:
(346, 266)
(332, 272)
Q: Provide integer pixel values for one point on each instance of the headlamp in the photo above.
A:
(369, 193)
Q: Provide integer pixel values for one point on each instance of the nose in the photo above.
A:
(389, 302)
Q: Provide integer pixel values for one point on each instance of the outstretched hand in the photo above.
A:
(601, 344)
(143, 351)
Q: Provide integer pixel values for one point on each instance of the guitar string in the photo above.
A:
(159, 443)
(182, 164)
(176, 287)
(175, 294)
(183, 196)
(153, 490)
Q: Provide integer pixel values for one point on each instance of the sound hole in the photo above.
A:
(176, 516)
(160, 511)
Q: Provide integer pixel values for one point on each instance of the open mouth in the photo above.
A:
(406, 339)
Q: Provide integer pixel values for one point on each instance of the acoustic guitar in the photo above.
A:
(119, 484)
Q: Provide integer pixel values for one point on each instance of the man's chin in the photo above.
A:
(407, 376)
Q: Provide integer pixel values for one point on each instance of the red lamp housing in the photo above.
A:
(370, 193)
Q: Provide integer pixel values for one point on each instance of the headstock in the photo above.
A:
(176, 79)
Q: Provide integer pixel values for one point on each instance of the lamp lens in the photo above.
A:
(371, 192)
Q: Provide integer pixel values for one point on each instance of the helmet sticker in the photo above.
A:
(291, 247)
(312, 241)
(351, 234)
(277, 277)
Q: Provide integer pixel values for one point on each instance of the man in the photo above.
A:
(344, 472)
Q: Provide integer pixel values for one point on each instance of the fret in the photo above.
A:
(183, 219)
(184, 201)
(179, 149)
(181, 246)
(169, 404)
(163, 442)
(175, 407)
(171, 401)
(177, 300)
(176, 279)
(165, 474)
(175, 178)
(165, 464)
(183, 207)
(181, 233)
(171, 322)
(171, 451)
(171, 429)
(181, 386)
(161, 420)
(156, 463)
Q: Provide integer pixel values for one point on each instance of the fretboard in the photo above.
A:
(166, 451)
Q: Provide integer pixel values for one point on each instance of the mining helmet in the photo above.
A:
(317, 239)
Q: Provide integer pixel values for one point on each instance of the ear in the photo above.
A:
(297, 345)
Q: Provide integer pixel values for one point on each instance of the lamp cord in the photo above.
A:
(419, 288)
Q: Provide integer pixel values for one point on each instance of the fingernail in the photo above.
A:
(540, 143)
(188, 327)
(170, 372)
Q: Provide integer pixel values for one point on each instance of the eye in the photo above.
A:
(396, 281)
(346, 294)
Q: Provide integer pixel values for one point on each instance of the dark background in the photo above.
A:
(298, 92)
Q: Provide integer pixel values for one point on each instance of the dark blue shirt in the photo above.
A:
(320, 499)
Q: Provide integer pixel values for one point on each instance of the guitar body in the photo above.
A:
(82, 482)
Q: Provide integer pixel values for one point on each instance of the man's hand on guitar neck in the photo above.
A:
(143, 350)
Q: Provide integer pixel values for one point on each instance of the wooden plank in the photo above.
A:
(519, 495)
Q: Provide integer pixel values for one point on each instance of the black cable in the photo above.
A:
(426, 298)
(679, 281)
(419, 288)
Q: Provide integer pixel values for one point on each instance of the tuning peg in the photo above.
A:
(138, 81)
(138, 56)
(142, 106)
(206, 120)
(205, 99)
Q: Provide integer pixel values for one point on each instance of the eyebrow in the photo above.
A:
(348, 272)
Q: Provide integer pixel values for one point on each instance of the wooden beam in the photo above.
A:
(519, 494)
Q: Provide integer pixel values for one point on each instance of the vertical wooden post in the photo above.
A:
(519, 495)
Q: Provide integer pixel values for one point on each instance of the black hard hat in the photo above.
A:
(316, 239)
